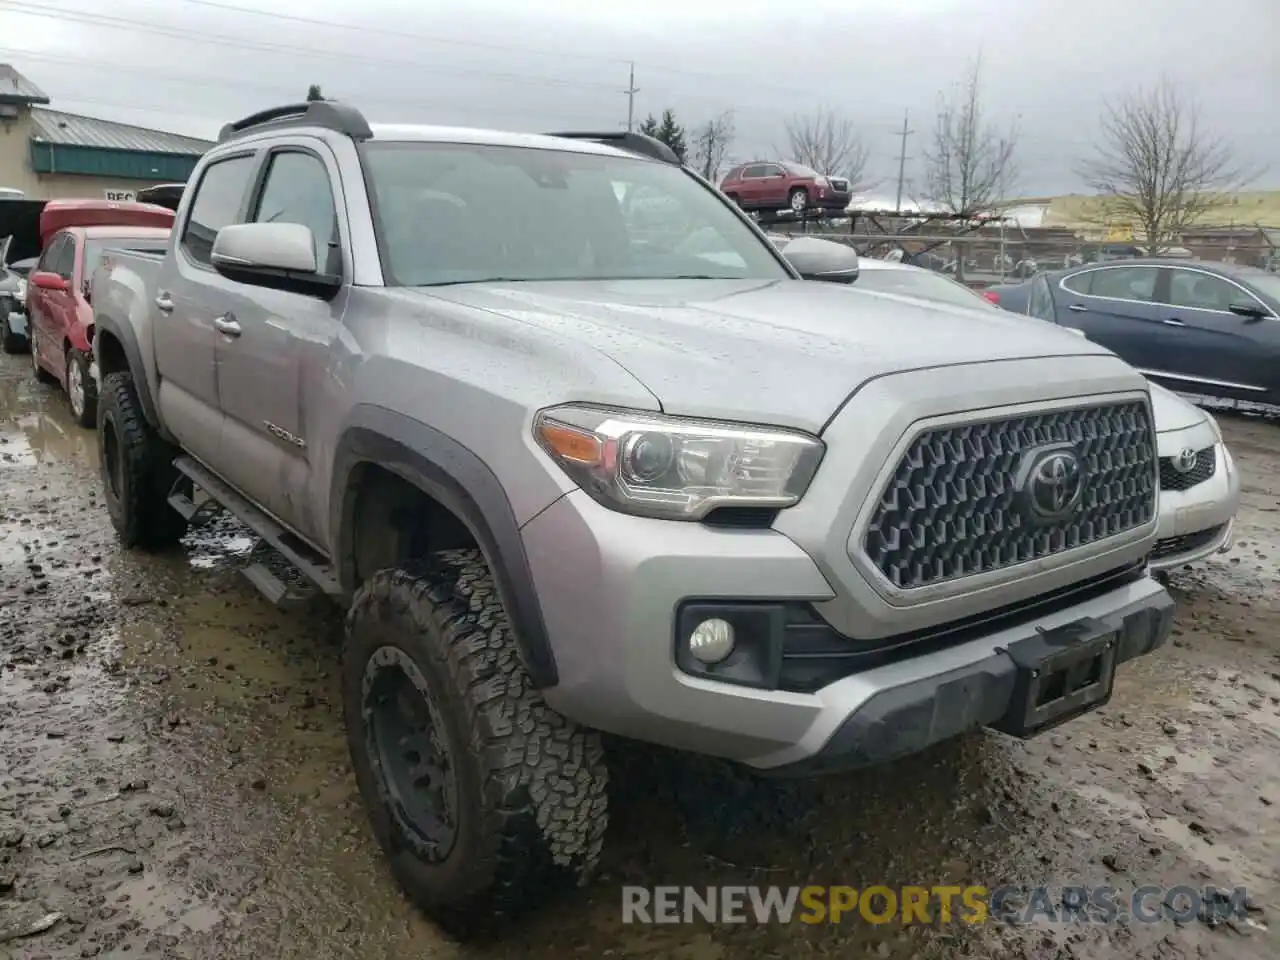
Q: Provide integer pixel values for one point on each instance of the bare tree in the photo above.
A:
(969, 162)
(830, 145)
(1157, 167)
(711, 142)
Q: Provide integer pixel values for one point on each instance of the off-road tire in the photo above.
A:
(88, 416)
(139, 509)
(10, 342)
(530, 784)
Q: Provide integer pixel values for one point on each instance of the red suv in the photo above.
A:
(784, 186)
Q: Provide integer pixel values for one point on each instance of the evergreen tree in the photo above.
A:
(668, 131)
(313, 93)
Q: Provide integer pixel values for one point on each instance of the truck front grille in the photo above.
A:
(956, 507)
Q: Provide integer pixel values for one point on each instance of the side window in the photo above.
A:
(773, 170)
(1079, 282)
(1201, 291)
(217, 204)
(64, 263)
(49, 258)
(1040, 305)
(754, 171)
(1124, 283)
(297, 190)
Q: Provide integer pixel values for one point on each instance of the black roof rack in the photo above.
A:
(637, 143)
(330, 114)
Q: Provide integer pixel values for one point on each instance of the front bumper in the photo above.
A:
(611, 586)
(1197, 522)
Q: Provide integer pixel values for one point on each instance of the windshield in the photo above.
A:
(93, 249)
(919, 283)
(466, 213)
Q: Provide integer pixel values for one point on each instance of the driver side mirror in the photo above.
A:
(48, 280)
(277, 255)
(827, 260)
(1248, 309)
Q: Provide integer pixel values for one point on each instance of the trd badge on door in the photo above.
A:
(280, 433)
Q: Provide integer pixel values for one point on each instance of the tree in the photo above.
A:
(1157, 167)
(668, 131)
(828, 144)
(969, 163)
(313, 93)
(711, 143)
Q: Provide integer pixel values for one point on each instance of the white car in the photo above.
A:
(1199, 482)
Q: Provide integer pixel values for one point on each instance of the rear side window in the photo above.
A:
(1079, 282)
(755, 171)
(64, 260)
(1124, 283)
(217, 202)
(297, 190)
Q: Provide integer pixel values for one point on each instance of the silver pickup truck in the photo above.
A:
(580, 451)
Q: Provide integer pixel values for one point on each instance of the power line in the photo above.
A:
(124, 23)
(222, 81)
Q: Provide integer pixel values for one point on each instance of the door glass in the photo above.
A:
(1202, 291)
(48, 259)
(1124, 283)
(217, 204)
(64, 263)
(1079, 282)
(756, 171)
(297, 190)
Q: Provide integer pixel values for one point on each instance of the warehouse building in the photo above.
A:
(49, 154)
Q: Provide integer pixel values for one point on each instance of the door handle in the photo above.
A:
(226, 325)
(1077, 308)
(164, 302)
(1173, 322)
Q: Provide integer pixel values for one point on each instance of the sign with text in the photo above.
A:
(120, 196)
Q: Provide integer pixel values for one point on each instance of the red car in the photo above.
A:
(785, 186)
(74, 234)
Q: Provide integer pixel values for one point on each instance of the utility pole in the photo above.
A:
(902, 161)
(631, 92)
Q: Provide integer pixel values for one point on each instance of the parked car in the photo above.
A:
(784, 185)
(1199, 483)
(13, 305)
(566, 485)
(1211, 329)
(60, 327)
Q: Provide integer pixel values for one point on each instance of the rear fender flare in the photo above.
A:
(124, 335)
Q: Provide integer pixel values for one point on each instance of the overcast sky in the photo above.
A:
(1049, 65)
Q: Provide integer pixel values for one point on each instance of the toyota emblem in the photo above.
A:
(1185, 460)
(1051, 483)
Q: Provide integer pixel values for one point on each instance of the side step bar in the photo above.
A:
(313, 566)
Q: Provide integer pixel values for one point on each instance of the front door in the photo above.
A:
(1116, 307)
(1222, 353)
(188, 296)
(773, 187)
(277, 336)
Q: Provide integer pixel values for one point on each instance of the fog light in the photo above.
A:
(711, 640)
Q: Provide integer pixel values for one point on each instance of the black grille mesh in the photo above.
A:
(949, 510)
(1205, 466)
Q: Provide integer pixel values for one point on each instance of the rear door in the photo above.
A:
(189, 296)
(1220, 353)
(1117, 307)
(750, 188)
(266, 427)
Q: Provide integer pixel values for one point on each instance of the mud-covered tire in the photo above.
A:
(136, 467)
(529, 785)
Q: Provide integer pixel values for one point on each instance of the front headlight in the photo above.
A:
(22, 292)
(1213, 425)
(676, 468)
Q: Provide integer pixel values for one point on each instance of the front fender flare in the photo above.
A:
(460, 481)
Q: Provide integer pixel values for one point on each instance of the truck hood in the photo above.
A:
(787, 352)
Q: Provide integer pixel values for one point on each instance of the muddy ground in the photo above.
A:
(174, 779)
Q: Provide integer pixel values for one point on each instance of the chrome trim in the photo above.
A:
(1207, 381)
(963, 586)
(1221, 276)
(1062, 284)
